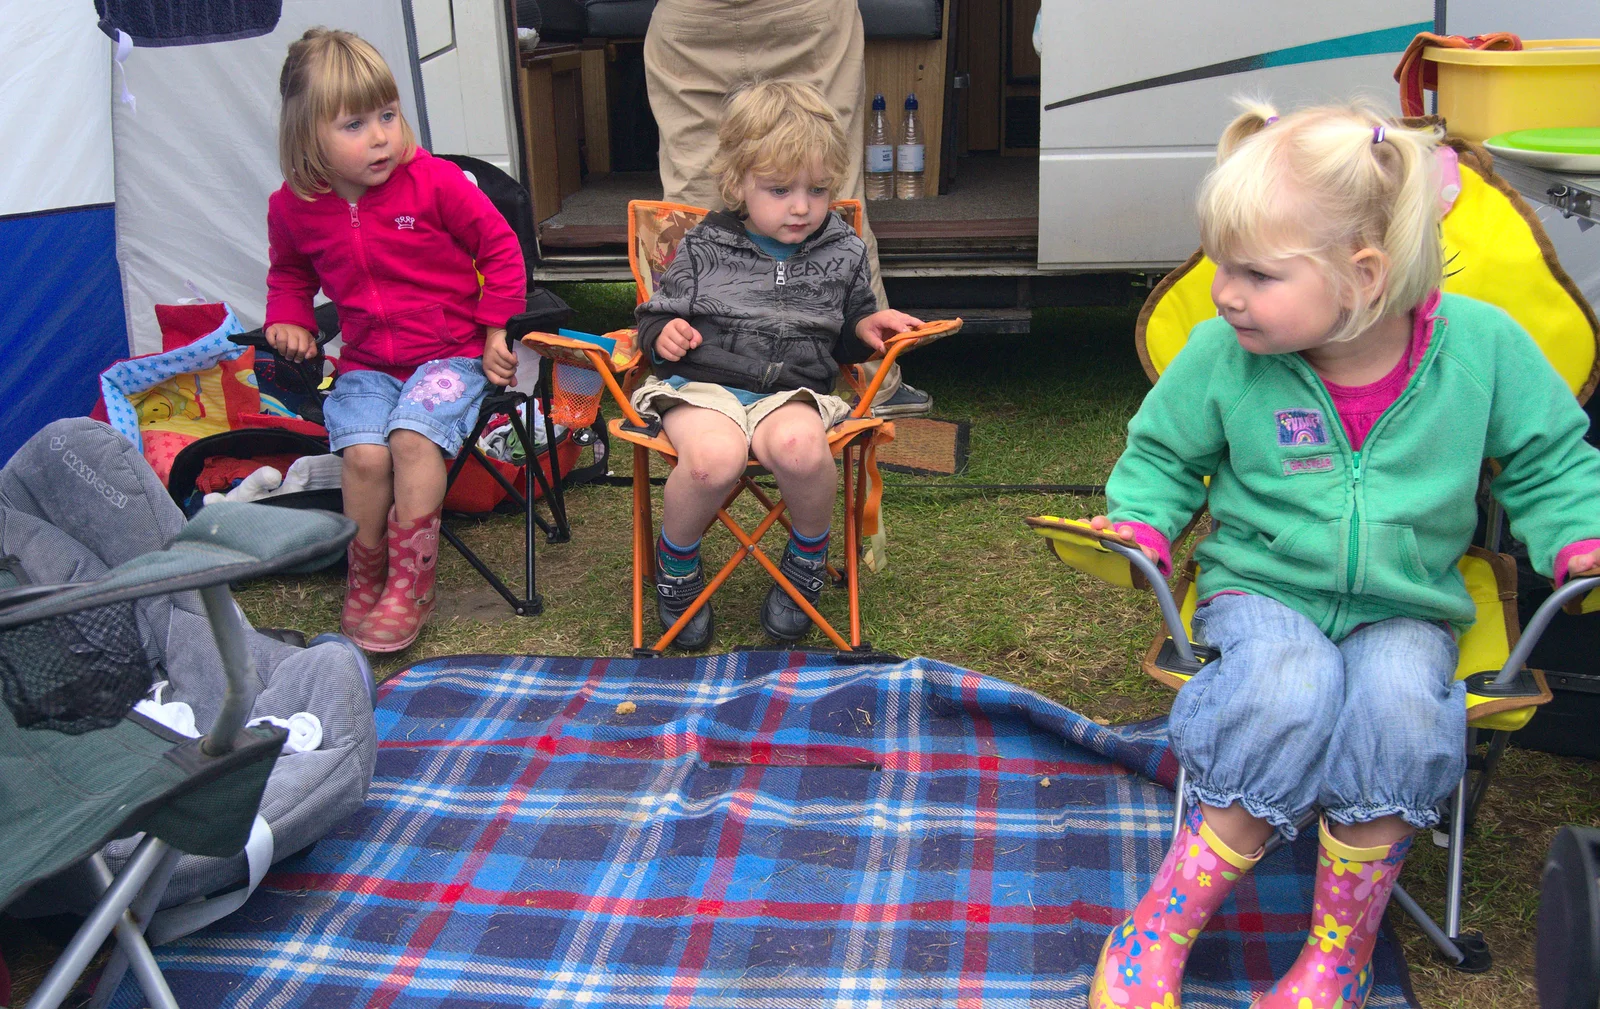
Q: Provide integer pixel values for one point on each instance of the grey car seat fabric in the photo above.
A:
(78, 499)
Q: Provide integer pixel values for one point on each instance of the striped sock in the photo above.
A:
(677, 561)
(809, 548)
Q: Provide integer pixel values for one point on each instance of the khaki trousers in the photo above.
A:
(696, 51)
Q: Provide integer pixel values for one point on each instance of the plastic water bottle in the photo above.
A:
(880, 153)
(909, 157)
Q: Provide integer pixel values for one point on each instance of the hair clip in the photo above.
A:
(1271, 120)
(1378, 133)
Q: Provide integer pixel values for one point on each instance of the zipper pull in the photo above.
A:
(1355, 471)
(355, 220)
(781, 279)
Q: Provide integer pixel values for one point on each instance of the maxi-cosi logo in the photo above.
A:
(87, 474)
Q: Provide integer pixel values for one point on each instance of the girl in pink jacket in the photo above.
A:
(398, 240)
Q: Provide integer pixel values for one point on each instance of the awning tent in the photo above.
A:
(110, 205)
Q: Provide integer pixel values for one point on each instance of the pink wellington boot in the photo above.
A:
(1141, 963)
(1334, 970)
(368, 567)
(408, 595)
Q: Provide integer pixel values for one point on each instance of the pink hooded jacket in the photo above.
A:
(401, 263)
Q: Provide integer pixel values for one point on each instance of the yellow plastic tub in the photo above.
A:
(1550, 82)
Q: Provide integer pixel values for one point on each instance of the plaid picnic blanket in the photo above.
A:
(755, 829)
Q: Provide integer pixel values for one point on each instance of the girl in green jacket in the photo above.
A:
(1342, 410)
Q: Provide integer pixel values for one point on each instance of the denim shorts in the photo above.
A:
(440, 401)
(1287, 720)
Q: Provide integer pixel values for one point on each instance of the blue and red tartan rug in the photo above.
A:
(755, 829)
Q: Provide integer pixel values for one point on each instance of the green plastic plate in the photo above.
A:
(1568, 149)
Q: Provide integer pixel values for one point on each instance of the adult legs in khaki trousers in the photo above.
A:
(696, 51)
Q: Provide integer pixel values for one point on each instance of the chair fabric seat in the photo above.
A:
(134, 776)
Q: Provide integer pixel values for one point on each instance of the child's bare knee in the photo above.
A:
(716, 464)
(800, 450)
(367, 462)
(409, 446)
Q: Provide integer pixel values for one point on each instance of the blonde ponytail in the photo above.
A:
(1327, 182)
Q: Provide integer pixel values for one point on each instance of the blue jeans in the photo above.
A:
(440, 401)
(1287, 720)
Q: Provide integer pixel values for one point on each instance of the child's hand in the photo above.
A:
(291, 342)
(677, 339)
(1124, 534)
(1583, 565)
(499, 361)
(879, 326)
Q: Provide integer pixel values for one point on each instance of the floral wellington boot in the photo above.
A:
(408, 595)
(1334, 970)
(368, 567)
(1141, 963)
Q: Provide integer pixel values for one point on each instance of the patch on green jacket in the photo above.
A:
(1310, 464)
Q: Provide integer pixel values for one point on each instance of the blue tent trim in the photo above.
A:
(61, 320)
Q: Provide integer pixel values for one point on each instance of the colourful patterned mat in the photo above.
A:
(763, 828)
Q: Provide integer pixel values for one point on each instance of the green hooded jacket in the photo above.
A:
(1347, 537)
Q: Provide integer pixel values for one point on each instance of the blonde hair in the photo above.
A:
(1326, 182)
(775, 129)
(328, 73)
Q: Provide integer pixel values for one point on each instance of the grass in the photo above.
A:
(967, 583)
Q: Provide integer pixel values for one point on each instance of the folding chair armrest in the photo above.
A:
(622, 362)
(893, 347)
(225, 542)
(1081, 546)
(1574, 589)
(928, 332)
(584, 354)
(1586, 602)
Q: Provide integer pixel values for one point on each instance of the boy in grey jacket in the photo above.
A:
(746, 333)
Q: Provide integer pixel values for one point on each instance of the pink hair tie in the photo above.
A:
(1271, 120)
(1378, 133)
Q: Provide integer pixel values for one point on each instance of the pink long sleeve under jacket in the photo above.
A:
(401, 263)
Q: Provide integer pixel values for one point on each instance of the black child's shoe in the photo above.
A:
(780, 617)
(673, 596)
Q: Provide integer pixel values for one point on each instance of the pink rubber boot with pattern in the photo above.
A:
(1334, 970)
(1141, 963)
(367, 569)
(408, 595)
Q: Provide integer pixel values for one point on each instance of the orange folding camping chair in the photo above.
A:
(654, 230)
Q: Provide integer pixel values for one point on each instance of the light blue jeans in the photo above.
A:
(440, 401)
(1287, 720)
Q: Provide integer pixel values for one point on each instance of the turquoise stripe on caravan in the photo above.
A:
(1384, 40)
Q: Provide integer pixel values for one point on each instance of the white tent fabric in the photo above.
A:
(55, 115)
(197, 157)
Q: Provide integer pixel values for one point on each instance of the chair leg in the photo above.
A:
(1178, 810)
(553, 490)
(105, 917)
(643, 558)
(529, 603)
(1458, 844)
(1465, 951)
(132, 950)
(854, 509)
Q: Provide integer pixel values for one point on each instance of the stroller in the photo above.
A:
(103, 590)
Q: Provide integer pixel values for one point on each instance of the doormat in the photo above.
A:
(926, 447)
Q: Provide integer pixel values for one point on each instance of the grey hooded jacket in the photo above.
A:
(765, 326)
